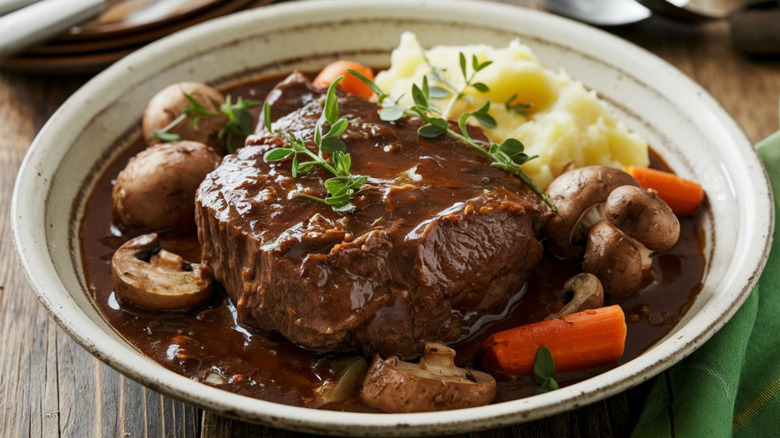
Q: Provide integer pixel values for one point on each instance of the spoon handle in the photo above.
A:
(756, 31)
(7, 6)
(42, 20)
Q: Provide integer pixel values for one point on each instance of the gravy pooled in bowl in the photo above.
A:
(430, 244)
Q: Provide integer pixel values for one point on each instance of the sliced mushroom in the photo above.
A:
(644, 216)
(170, 102)
(618, 260)
(579, 195)
(435, 384)
(154, 278)
(156, 190)
(581, 292)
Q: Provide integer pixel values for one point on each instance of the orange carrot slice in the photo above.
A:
(578, 342)
(351, 83)
(682, 195)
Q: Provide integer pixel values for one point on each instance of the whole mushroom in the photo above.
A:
(619, 224)
(579, 195)
(154, 278)
(619, 249)
(435, 384)
(156, 190)
(644, 216)
(617, 260)
(171, 101)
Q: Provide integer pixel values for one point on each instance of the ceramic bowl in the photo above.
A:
(685, 125)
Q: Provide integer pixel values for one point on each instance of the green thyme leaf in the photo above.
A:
(333, 144)
(163, 136)
(277, 154)
(481, 87)
(267, 116)
(485, 120)
(239, 121)
(336, 186)
(544, 370)
(548, 385)
(419, 97)
(517, 108)
(439, 93)
(429, 130)
(391, 113)
(197, 109)
(295, 168)
(374, 87)
(331, 110)
(513, 148)
(338, 128)
(462, 124)
(476, 65)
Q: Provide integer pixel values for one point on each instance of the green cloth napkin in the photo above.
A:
(731, 385)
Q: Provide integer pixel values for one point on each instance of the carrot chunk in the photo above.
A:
(351, 83)
(682, 195)
(578, 342)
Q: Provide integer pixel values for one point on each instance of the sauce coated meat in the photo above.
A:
(208, 344)
(437, 235)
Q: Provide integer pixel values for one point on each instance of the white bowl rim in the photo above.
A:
(29, 239)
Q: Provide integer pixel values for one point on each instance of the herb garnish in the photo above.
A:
(343, 186)
(508, 156)
(544, 371)
(468, 81)
(239, 121)
(517, 108)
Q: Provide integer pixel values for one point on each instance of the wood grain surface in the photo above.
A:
(50, 386)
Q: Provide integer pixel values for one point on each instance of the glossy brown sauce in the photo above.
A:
(207, 345)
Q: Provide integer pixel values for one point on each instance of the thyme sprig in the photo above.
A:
(468, 80)
(239, 121)
(517, 108)
(508, 156)
(343, 186)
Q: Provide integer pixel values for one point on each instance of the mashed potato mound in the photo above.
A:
(564, 124)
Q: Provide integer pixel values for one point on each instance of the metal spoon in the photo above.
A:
(697, 10)
(599, 12)
(39, 21)
(754, 23)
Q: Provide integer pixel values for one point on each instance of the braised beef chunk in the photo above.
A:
(437, 236)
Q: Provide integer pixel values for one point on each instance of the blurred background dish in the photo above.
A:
(123, 27)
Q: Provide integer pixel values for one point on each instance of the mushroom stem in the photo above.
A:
(618, 260)
(581, 292)
(590, 217)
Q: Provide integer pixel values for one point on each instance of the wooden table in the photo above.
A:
(50, 386)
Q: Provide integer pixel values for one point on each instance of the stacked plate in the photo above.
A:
(124, 26)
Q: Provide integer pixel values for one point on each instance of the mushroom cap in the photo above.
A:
(170, 102)
(644, 216)
(156, 190)
(574, 193)
(154, 278)
(617, 260)
(585, 292)
(435, 384)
